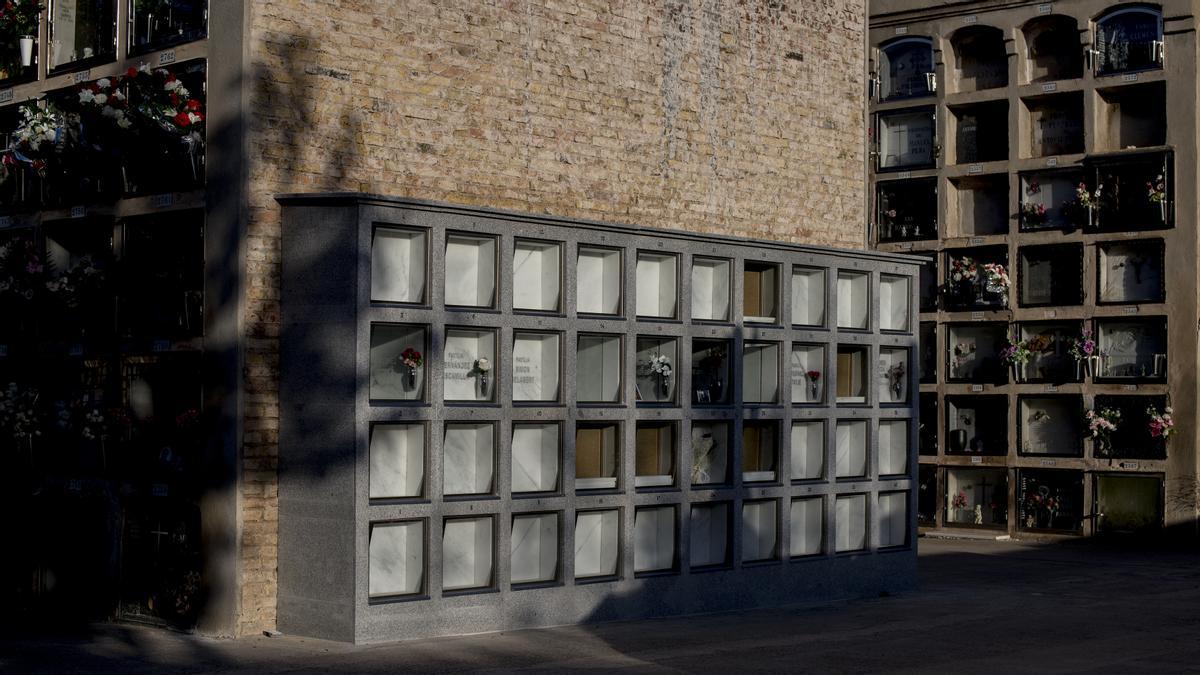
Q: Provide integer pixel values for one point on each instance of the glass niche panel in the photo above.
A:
(760, 292)
(597, 543)
(894, 296)
(81, 30)
(1132, 438)
(1129, 39)
(598, 280)
(710, 452)
(928, 360)
(906, 68)
(654, 455)
(597, 456)
(1055, 124)
(657, 285)
(710, 372)
(1051, 425)
(808, 296)
(598, 361)
(974, 352)
(981, 132)
(929, 290)
(397, 461)
(977, 425)
(927, 428)
(396, 558)
(656, 377)
(709, 528)
(1050, 500)
(807, 372)
(850, 451)
(1049, 346)
(760, 530)
(1051, 275)
(468, 372)
(468, 458)
(851, 374)
(976, 497)
(711, 281)
(980, 204)
(1131, 271)
(535, 456)
(537, 275)
(654, 539)
(397, 362)
(1132, 348)
(893, 447)
(536, 363)
(534, 556)
(470, 270)
(157, 23)
(468, 548)
(1048, 201)
(760, 451)
(398, 264)
(807, 526)
(906, 210)
(808, 450)
(760, 372)
(1134, 193)
(854, 300)
(893, 375)
(906, 139)
(850, 523)
(893, 519)
(1128, 504)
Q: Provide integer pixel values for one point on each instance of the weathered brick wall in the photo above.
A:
(741, 118)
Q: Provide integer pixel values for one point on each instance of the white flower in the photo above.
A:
(483, 365)
(124, 122)
(172, 85)
(118, 95)
(104, 83)
(101, 99)
(86, 96)
(143, 68)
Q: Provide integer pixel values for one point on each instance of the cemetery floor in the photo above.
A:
(983, 607)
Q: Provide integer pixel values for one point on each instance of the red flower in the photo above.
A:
(193, 105)
(171, 77)
(183, 120)
(175, 99)
(132, 72)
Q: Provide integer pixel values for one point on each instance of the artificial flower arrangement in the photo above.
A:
(963, 270)
(814, 378)
(411, 358)
(1087, 198)
(1102, 424)
(895, 377)
(1156, 190)
(20, 269)
(995, 278)
(959, 500)
(43, 135)
(1162, 425)
(70, 286)
(19, 413)
(658, 367)
(483, 367)
(1033, 215)
(1015, 353)
(963, 351)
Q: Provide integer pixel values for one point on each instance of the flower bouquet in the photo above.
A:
(814, 379)
(659, 367)
(1015, 355)
(995, 280)
(1085, 352)
(1034, 215)
(1156, 193)
(1162, 425)
(411, 360)
(1102, 424)
(483, 367)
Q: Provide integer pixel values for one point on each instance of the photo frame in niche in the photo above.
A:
(893, 374)
(760, 451)
(397, 361)
(599, 368)
(654, 538)
(760, 292)
(1051, 425)
(850, 449)
(808, 296)
(597, 455)
(536, 456)
(710, 452)
(470, 270)
(1132, 348)
(807, 373)
(654, 455)
(710, 530)
(894, 303)
(469, 365)
(598, 280)
(760, 372)
(399, 264)
(535, 545)
(807, 526)
(468, 553)
(597, 543)
(850, 523)
(760, 530)
(854, 300)
(396, 558)
(1131, 271)
(537, 360)
(711, 284)
(657, 285)
(468, 458)
(711, 372)
(537, 275)
(893, 519)
(893, 447)
(397, 461)
(808, 450)
(656, 374)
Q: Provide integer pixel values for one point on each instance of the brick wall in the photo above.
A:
(741, 118)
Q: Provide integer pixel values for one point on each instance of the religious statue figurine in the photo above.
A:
(979, 514)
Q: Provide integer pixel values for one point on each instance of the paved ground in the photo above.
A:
(983, 607)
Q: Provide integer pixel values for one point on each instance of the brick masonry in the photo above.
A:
(735, 117)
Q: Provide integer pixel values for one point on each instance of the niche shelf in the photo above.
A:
(1050, 276)
(535, 456)
(850, 449)
(396, 558)
(710, 525)
(536, 366)
(1051, 425)
(597, 456)
(397, 467)
(1131, 116)
(399, 257)
(657, 285)
(598, 280)
(391, 380)
(711, 281)
(980, 132)
(599, 369)
(655, 454)
(854, 300)
(468, 547)
(807, 520)
(893, 447)
(893, 519)
(807, 373)
(1055, 125)
(710, 372)
(977, 425)
(894, 310)
(1132, 349)
(760, 452)
(892, 376)
(906, 139)
(808, 296)
(980, 205)
(654, 539)
(597, 543)
(654, 386)
(1131, 271)
(537, 276)
(851, 374)
(760, 372)
(470, 271)
(760, 530)
(534, 557)
(469, 454)
(808, 450)
(850, 523)
(760, 292)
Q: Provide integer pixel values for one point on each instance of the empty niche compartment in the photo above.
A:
(980, 132)
(598, 280)
(1133, 116)
(1055, 125)
(894, 295)
(398, 265)
(1052, 49)
(710, 371)
(760, 451)
(468, 372)
(1049, 346)
(396, 349)
(1132, 438)
(470, 270)
(906, 138)
(807, 373)
(710, 452)
(397, 461)
(854, 299)
(654, 539)
(977, 425)
(760, 372)
(760, 292)
(851, 374)
(927, 363)
(710, 534)
(396, 558)
(536, 360)
(906, 210)
(1049, 200)
(597, 456)
(1051, 425)
(537, 275)
(467, 553)
(657, 284)
(893, 447)
(1131, 271)
(893, 519)
(980, 203)
(535, 457)
(1132, 348)
(973, 352)
(808, 450)
(760, 530)
(1131, 191)
(807, 529)
(850, 523)
(655, 454)
(976, 497)
(892, 376)
(534, 557)
(1050, 500)
(927, 429)
(1129, 503)
(1051, 275)
(980, 59)
(710, 289)
(469, 453)
(850, 449)
(598, 361)
(656, 377)
(597, 543)
(930, 282)
(808, 296)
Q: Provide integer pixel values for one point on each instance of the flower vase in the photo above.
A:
(1094, 366)
(664, 389)
(26, 45)
(1091, 217)
(483, 385)
(812, 391)
(897, 390)
(1016, 373)
(410, 378)
(1162, 210)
